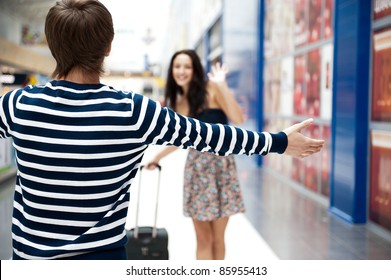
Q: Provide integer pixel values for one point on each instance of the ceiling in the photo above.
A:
(32, 10)
(139, 28)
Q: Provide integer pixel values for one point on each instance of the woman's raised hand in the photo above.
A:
(218, 73)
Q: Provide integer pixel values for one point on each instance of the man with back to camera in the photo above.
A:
(79, 143)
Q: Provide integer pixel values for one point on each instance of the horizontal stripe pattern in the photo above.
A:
(78, 149)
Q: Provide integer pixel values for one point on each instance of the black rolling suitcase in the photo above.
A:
(147, 243)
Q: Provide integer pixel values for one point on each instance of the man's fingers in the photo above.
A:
(316, 143)
(315, 147)
(310, 151)
(304, 124)
(298, 127)
(313, 142)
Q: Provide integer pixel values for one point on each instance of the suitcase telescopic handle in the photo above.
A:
(154, 229)
(158, 166)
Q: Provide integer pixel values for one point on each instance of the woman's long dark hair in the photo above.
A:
(197, 89)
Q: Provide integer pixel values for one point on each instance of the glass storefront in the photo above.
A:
(298, 82)
(380, 117)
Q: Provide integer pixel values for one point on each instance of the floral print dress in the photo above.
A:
(211, 186)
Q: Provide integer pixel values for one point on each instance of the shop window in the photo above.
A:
(381, 83)
(380, 129)
(380, 188)
(381, 9)
(298, 81)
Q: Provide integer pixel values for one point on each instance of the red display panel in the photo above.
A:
(313, 83)
(380, 188)
(304, 87)
(299, 102)
(315, 20)
(301, 32)
(328, 17)
(381, 80)
(381, 9)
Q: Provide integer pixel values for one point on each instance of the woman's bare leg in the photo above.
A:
(204, 240)
(218, 232)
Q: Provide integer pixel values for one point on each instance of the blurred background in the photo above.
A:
(288, 60)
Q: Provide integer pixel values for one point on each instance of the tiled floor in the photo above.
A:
(280, 223)
(298, 227)
(241, 236)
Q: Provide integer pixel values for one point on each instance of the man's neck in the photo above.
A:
(79, 77)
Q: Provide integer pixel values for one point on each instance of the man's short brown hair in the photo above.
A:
(79, 33)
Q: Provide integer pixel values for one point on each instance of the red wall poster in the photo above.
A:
(381, 81)
(380, 188)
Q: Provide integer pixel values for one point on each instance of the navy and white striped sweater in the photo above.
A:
(78, 148)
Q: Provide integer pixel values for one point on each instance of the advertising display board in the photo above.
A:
(299, 106)
(380, 182)
(381, 8)
(380, 133)
(313, 84)
(381, 77)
